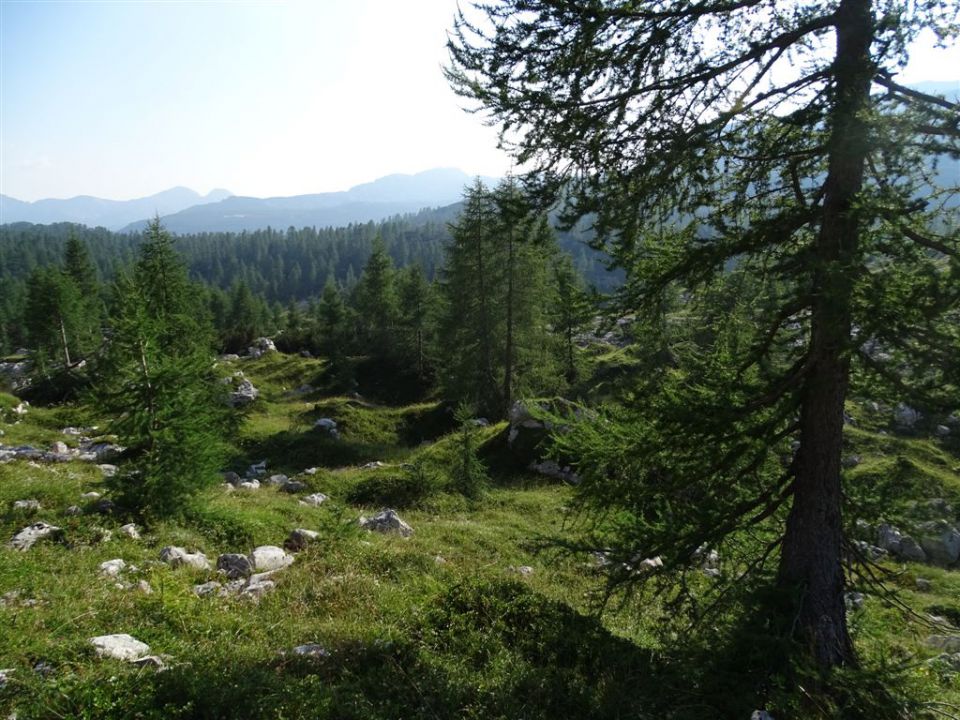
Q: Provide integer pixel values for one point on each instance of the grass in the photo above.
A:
(441, 625)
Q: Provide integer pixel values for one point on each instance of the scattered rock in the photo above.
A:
(905, 416)
(850, 461)
(229, 357)
(854, 600)
(911, 551)
(249, 485)
(245, 394)
(373, 465)
(941, 542)
(315, 500)
(131, 531)
(923, 585)
(257, 470)
(90, 496)
(235, 565)
(386, 521)
(231, 477)
(120, 647)
(947, 643)
(59, 448)
(26, 506)
(524, 570)
(299, 539)
(144, 587)
(108, 470)
(260, 347)
(311, 650)
(6, 672)
(277, 480)
(73, 510)
(650, 564)
(177, 557)
(30, 535)
(104, 506)
(327, 426)
(255, 590)
(760, 715)
(551, 468)
(149, 661)
(269, 557)
(112, 568)
(293, 487)
(207, 588)
(310, 471)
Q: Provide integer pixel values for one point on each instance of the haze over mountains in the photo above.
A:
(184, 211)
(112, 214)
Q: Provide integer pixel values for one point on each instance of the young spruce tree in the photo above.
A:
(157, 380)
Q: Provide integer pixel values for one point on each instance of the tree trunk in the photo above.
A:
(810, 564)
(508, 353)
(63, 343)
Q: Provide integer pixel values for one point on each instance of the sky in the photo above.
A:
(124, 98)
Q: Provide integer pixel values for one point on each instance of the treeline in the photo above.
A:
(275, 265)
(489, 310)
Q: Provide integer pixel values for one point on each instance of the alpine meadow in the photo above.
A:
(656, 416)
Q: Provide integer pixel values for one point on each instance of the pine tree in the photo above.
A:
(415, 305)
(571, 313)
(157, 380)
(376, 302)
(54, 316)
(494, 320)
(800, 166)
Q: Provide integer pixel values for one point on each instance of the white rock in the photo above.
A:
(258, 589)
(107, 470)
(311, 650)
(120, 646)
(144, 587)
(177, 557)
(60, 448)
(27, 505)
(112, 568)
(131, 531)
(28, 536)
(277, 480)
(315, 500)
(269, 557)
(92, 495)
(249, 485)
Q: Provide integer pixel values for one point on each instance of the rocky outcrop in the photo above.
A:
(32, 534)
(178, 557)
(386, 521)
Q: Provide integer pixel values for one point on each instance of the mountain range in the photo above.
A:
(184, 211)
(113, 214)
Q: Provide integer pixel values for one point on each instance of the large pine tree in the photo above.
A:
(768, 135)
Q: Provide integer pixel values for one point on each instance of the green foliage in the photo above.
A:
(496, 342)
(410, 487)
(157, 379)
(468, 474)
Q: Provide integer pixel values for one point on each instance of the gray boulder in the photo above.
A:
(299, 539)
(231, 477)
(889, 538)
(941, 541)
(235, 565)
(249, 485)
(178, 557)
(120, 647)
(905, 416)
(293, 487)
(947, 643)
(31, 534)
(260, 347)
(911, 551)
(327, 426)
(277, 480)
(386, 521)
(131, 531)
(26, 506)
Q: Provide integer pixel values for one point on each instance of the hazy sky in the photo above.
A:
(123, 99)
